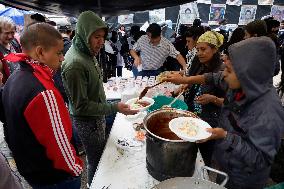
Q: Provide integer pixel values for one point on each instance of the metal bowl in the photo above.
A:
(186, 183)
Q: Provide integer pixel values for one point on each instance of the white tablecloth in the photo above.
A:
(127, 170)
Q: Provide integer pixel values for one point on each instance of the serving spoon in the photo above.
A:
(145, 90)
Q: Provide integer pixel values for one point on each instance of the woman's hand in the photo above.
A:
(217, 133)
(175, 78)
(180, 89)
(205, 99)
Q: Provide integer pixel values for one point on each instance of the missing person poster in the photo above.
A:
(277, 12)
(125, 19)
(188, 13)
(247, 14)
(157, 15)
(217, 14)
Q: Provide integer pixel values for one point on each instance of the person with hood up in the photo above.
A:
(83, 81)
(251, 121)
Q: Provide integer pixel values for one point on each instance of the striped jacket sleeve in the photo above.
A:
(49, 120)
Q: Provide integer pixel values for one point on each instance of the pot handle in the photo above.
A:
(149, 137)
(205, 168)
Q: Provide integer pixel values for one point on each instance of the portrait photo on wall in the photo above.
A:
(265, 2)
(188, 12)
(217, 13)
(277, 12)
(157, 15)
(247, 14)
(234, 2)
(126, 19)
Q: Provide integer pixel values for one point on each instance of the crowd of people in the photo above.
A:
(37, 124)
(53, 104)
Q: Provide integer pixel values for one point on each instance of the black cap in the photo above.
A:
(38, 17)
(64, 27)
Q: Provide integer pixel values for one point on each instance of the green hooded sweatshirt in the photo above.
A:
(81, 75)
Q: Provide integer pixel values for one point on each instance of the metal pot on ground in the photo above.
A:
(168, 156)
(193, 183)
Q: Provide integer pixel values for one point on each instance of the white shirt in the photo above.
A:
(153, 57)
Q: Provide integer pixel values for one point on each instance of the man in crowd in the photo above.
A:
(38, 127)
(8, 44)
(65, 31)
(256, 28)
(83, 81)
(273, 27)
(154, 49)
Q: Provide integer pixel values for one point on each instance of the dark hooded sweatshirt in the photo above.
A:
(82, 77)
(255, 122)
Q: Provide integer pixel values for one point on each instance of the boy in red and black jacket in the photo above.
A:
(38, 128)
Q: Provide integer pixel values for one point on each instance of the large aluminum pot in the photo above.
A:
(168, 156)
(192, 183)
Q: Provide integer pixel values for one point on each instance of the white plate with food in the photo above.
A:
(136, 118)
(189, 128)
(141, 105)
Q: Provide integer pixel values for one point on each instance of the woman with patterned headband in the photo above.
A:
(205, 100)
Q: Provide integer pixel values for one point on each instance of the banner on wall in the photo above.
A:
(234, 2)
(125, 19)
(204, 1)
(265, 2)
(217, 13)
(277, 12)
(247, 14)
(157, 15)
(188, 13)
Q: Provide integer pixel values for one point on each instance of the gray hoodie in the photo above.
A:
(255, 123)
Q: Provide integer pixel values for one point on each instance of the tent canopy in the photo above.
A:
(103, 7)
(15, 14)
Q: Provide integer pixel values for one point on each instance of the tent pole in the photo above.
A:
(100, 8)
(178, 23)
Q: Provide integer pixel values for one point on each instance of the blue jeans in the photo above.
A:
(71, 183)
(149, 73)
(119, 71)
(134, 71)
(76, 138)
